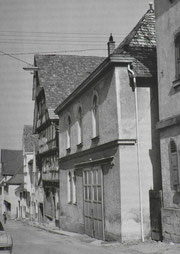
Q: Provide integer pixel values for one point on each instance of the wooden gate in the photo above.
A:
(155, 214)
(93, 202)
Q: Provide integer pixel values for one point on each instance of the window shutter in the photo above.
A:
(174, 163)
(177, 55)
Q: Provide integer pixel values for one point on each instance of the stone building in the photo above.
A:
(168, 56)
(104, 182)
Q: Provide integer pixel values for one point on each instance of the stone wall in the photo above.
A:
(171, 224)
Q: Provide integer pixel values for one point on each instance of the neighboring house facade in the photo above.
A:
(168, 55)
(12, 200)
(45, 126)
(51, 82)
(12, 165)
(37, 193)
(25, 190)
(101, 191)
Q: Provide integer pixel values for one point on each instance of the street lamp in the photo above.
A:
(31, 68)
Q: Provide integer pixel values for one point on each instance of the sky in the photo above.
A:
(80, 27)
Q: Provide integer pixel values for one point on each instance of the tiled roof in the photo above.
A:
(28, 140)
(60, 75)
(12, 161)
(140, 44)
(20, 188)
(17, 179)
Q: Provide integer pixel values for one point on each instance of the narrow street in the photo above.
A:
(32, 240)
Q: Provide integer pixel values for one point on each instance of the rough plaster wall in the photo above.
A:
(71, 216)
(168, 193)
(125, 104)
(129, 193)
(108, 127)
(27, 181)
(13, 199)
(167, 25)
(171, 220)
(128, 157)
(112, 207)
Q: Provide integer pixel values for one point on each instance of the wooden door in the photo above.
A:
(93, 202)
(155, 214)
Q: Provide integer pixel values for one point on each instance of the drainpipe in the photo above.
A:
(132, 75)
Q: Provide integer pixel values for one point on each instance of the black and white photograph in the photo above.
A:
(90, 127)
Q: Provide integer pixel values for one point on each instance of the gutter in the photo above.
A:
(134, 89)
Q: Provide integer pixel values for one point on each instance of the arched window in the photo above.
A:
(69, 185)
(177, 56)
(68, 132)
(79, 127)
(95, 117)
(74, 188)
(174, 164)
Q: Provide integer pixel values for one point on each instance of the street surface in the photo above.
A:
(32, 240)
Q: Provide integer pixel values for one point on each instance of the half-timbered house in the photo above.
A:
(55, 78)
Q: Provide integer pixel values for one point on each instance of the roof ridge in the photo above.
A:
(127, 40)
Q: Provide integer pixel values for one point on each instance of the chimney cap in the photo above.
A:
(111, 38)
(150, 5)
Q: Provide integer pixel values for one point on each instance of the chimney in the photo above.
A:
(111, 45)
(151, 6)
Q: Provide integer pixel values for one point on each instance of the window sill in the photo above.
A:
(176, 83)
(71, 203)
(80, 145)
(95, 139)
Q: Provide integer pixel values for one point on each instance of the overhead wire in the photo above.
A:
(60, 33)
(48, 43)
(40, 41)
(18, 59)
(52, 52)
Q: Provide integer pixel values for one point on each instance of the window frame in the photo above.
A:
(71, 188)
(79, 126)
(174, 165)
(95, 115)
(177, 55)
(68, 133)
